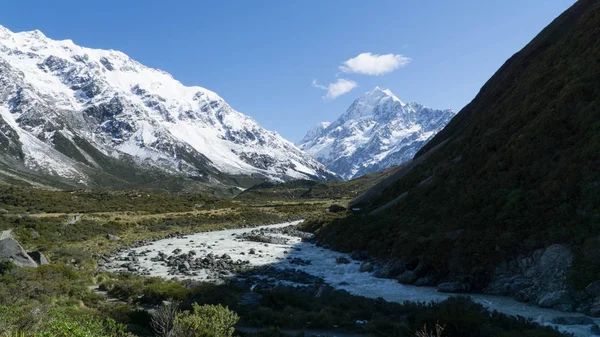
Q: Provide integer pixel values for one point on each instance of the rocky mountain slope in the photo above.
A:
(91, 117)
(506, 198)
(377, 131)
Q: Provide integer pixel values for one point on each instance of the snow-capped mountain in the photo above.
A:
(376, 132)
(78, 113)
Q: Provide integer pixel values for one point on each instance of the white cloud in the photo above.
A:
(373, 64)
(336, 89)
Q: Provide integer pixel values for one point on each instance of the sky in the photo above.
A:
(291, 64)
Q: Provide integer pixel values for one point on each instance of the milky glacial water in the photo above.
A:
(323, 264)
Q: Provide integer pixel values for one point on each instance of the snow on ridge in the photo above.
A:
(377, 131)
(123, 107)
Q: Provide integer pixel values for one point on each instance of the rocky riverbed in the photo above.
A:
(268, 256)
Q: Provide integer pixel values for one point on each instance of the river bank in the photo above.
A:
(270, 255)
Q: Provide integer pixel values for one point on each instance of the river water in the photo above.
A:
(323, 264)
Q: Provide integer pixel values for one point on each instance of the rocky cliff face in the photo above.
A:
(377, 131)
(93, 117)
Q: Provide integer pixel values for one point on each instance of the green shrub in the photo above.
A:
(206, 321)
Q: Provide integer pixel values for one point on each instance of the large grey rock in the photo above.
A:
(11, 250)
(390, 270)
(540, 278)
(39, 258)
(366, 267)
(555, 298)
(342, 260)
(335, 208)
(112, 237)
(453, 287)
(408, 277)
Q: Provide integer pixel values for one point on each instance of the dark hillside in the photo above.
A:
(516, 170)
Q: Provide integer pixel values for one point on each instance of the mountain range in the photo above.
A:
(377, 131)
(75, 116)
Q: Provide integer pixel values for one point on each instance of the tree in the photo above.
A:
(163, 319)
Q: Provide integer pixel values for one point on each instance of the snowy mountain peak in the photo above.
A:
(68, 110)
(365, 106)
(377, 131)
(315, 131)
(378, 94)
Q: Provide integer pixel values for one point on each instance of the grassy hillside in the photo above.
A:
(516, 170)
(307, 189)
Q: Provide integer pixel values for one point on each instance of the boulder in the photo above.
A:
(39, 258)
(366, 267)
(390, 269)
(574, 320)
(408, 277)
(554, 298)
(426, 281)
(342, 260)
(593, 289)
(11, 250)
(335, 208)
(453, 287)
(359, 255)
(112, 237)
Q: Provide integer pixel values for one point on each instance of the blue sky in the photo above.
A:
(263, 56)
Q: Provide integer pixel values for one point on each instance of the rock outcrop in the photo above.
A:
(11, 250)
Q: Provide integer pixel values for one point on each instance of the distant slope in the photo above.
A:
(516, 170)
(376, 132)
(307, 189)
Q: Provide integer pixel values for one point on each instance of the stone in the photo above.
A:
(366, 267)
(425, 281)
(342, 260)
(359, 255)
(11, 250)
(573, 320)
(551, 299)
(39, 258)
(390, 269)
(453, 287)
(335, 208)
(508, 286)
(593, 289)
(112, 237)
(595, 329)
(408, 277)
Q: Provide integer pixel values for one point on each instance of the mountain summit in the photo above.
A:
(377, 131)
(96, 117)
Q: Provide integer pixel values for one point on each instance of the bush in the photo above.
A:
(206, 321)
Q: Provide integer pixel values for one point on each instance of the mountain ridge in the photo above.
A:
(66, 109)
(377, 131)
